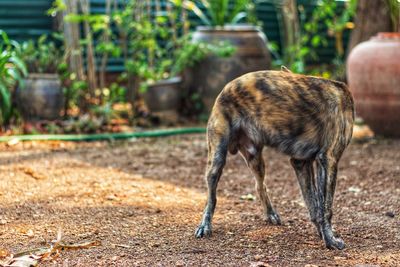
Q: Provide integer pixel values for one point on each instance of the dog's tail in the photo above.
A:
(285, 69)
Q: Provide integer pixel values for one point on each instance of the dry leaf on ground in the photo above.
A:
(33, 174)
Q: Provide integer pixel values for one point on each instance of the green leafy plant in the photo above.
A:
(175, 57)
(12, 72)
(152, 41)
(309, 36)
(394, 8)
(334, 22)
(89, 43)
(218, 12)
(157, 46)
(189, 53)
(137, 42)
(41, 56)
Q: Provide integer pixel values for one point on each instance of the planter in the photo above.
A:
(163, 98)
(373, 71)
(41, 98)
(212, 74)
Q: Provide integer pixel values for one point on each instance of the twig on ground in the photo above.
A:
(33, 257)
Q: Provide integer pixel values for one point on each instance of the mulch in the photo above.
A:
(143, 198)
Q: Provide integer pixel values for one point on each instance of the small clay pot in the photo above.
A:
(40, 97)
(163, 98)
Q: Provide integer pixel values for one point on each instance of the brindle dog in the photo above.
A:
(308, 118)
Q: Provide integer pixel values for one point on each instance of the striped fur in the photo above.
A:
(308, 118)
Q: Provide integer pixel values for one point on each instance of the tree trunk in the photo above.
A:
(90, 54)
(132, 93)
(371, 17)
(73, 51)
(104, 59)
(72, 37)
(292, 29)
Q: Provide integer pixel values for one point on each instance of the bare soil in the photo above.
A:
(143, 200)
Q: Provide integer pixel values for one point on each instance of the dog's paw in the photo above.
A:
(273, 218)
(204, 230)
(335, 243)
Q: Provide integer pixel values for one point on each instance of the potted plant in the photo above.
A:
(12, 71)
(147, 62)
(163, 93)
(41, 96)
(161, 82)
(221, 21)
(157, 52)
(373, 71)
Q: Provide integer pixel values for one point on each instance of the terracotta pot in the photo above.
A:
(41, 97)
(212, 74)
(373, 71)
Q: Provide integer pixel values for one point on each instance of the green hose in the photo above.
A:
(102, 136)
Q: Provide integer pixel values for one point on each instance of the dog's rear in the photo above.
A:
(308, 118)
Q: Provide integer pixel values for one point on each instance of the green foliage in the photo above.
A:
(57, 6)
(105, 112)
(41, 56)
(83, 124)
(394, 8)
(219, 12)
(191, 53)
(175, 57)
(12, 72)
(310, 38)
(136, 38)
(153, 42)
(335, 23)
(157, 50)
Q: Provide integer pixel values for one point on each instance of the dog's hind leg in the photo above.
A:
(326, 181)
(217, 152)
(255, 162)
(305, 175)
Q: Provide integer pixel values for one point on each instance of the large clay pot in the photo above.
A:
(373, 71)
(41, 97)
(212, 74)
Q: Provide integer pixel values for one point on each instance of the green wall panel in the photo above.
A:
(25, 19)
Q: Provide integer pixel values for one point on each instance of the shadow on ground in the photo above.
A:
(143, 200)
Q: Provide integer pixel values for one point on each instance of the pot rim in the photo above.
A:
(229, 28)
(46, 76)
(386, 36)
(169, 81)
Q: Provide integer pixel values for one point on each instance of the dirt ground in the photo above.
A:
(143, 200)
